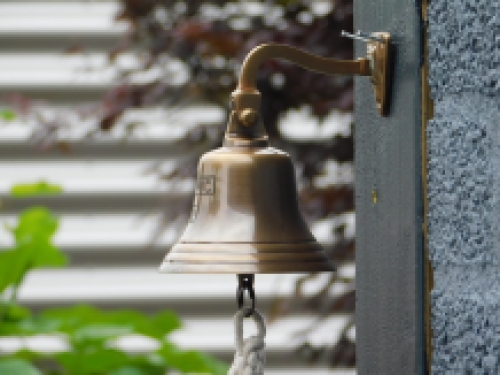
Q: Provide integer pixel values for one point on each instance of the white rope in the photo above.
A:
(250, 357)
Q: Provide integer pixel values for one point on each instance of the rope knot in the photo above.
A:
(250, 357)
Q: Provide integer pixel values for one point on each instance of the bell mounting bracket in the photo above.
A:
(378, 53)
(246, 98)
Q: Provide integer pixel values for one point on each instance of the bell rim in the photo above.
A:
(260, 268)
(239, 258)
(246, 247)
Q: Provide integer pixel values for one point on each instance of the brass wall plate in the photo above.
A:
(379, 56)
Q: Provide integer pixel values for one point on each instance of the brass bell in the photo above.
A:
(245, 218)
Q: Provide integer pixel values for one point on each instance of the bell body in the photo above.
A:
(245, 218)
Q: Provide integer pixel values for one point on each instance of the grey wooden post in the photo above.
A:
(389, 246)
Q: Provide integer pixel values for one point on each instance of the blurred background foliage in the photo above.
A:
(207, 41)
(89, 336)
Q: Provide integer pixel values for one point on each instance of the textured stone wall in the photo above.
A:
(464, 185)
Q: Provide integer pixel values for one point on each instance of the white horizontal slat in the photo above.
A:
(43, 62)
(299, 124)
(134, 229)
(93, 185)
(131, 148)
(213, 296)
(15, 81)
(104, 202)
(25, 70)
(158, 125)
(99, 231)
(58, 171)
(213, 334)
(143, 283)
(72, 16)
(218, 335)
(92, 177)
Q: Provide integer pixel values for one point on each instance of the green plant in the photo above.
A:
(90, 333)
(7, 114)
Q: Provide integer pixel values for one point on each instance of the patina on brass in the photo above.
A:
(245, 217)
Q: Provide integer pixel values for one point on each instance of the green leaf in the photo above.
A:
(34, 224)
(48, 255)
(191, 361)
(130, 321)
(71, 319)
(33, 247)
(91, 330)
(37, 188)
(11, 315)
(93, 362)
(156, 326)
(164, 323)
(101, 332)
(129, 370)
(38, 325)
(28, 355)
(12, 312)
(155, 360)
(7, 114)
(17, 367)
(15, 263)
(147, 364)
(136, 319)
(33, 325)
(12, 268)
(76, 314)
(160, 325)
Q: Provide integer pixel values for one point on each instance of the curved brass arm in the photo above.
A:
(244, 126)
(305, 59)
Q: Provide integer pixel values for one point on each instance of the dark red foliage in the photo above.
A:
(133, 10)
(321, 202)
(189, 36)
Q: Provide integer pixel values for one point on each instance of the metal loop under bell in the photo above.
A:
(245, 282)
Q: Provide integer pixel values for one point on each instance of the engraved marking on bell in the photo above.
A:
(206, 185)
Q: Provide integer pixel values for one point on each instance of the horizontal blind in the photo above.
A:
(111, 204)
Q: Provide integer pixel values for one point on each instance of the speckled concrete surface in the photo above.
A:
(464, 185)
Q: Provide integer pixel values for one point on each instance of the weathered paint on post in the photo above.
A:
(389, 247)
